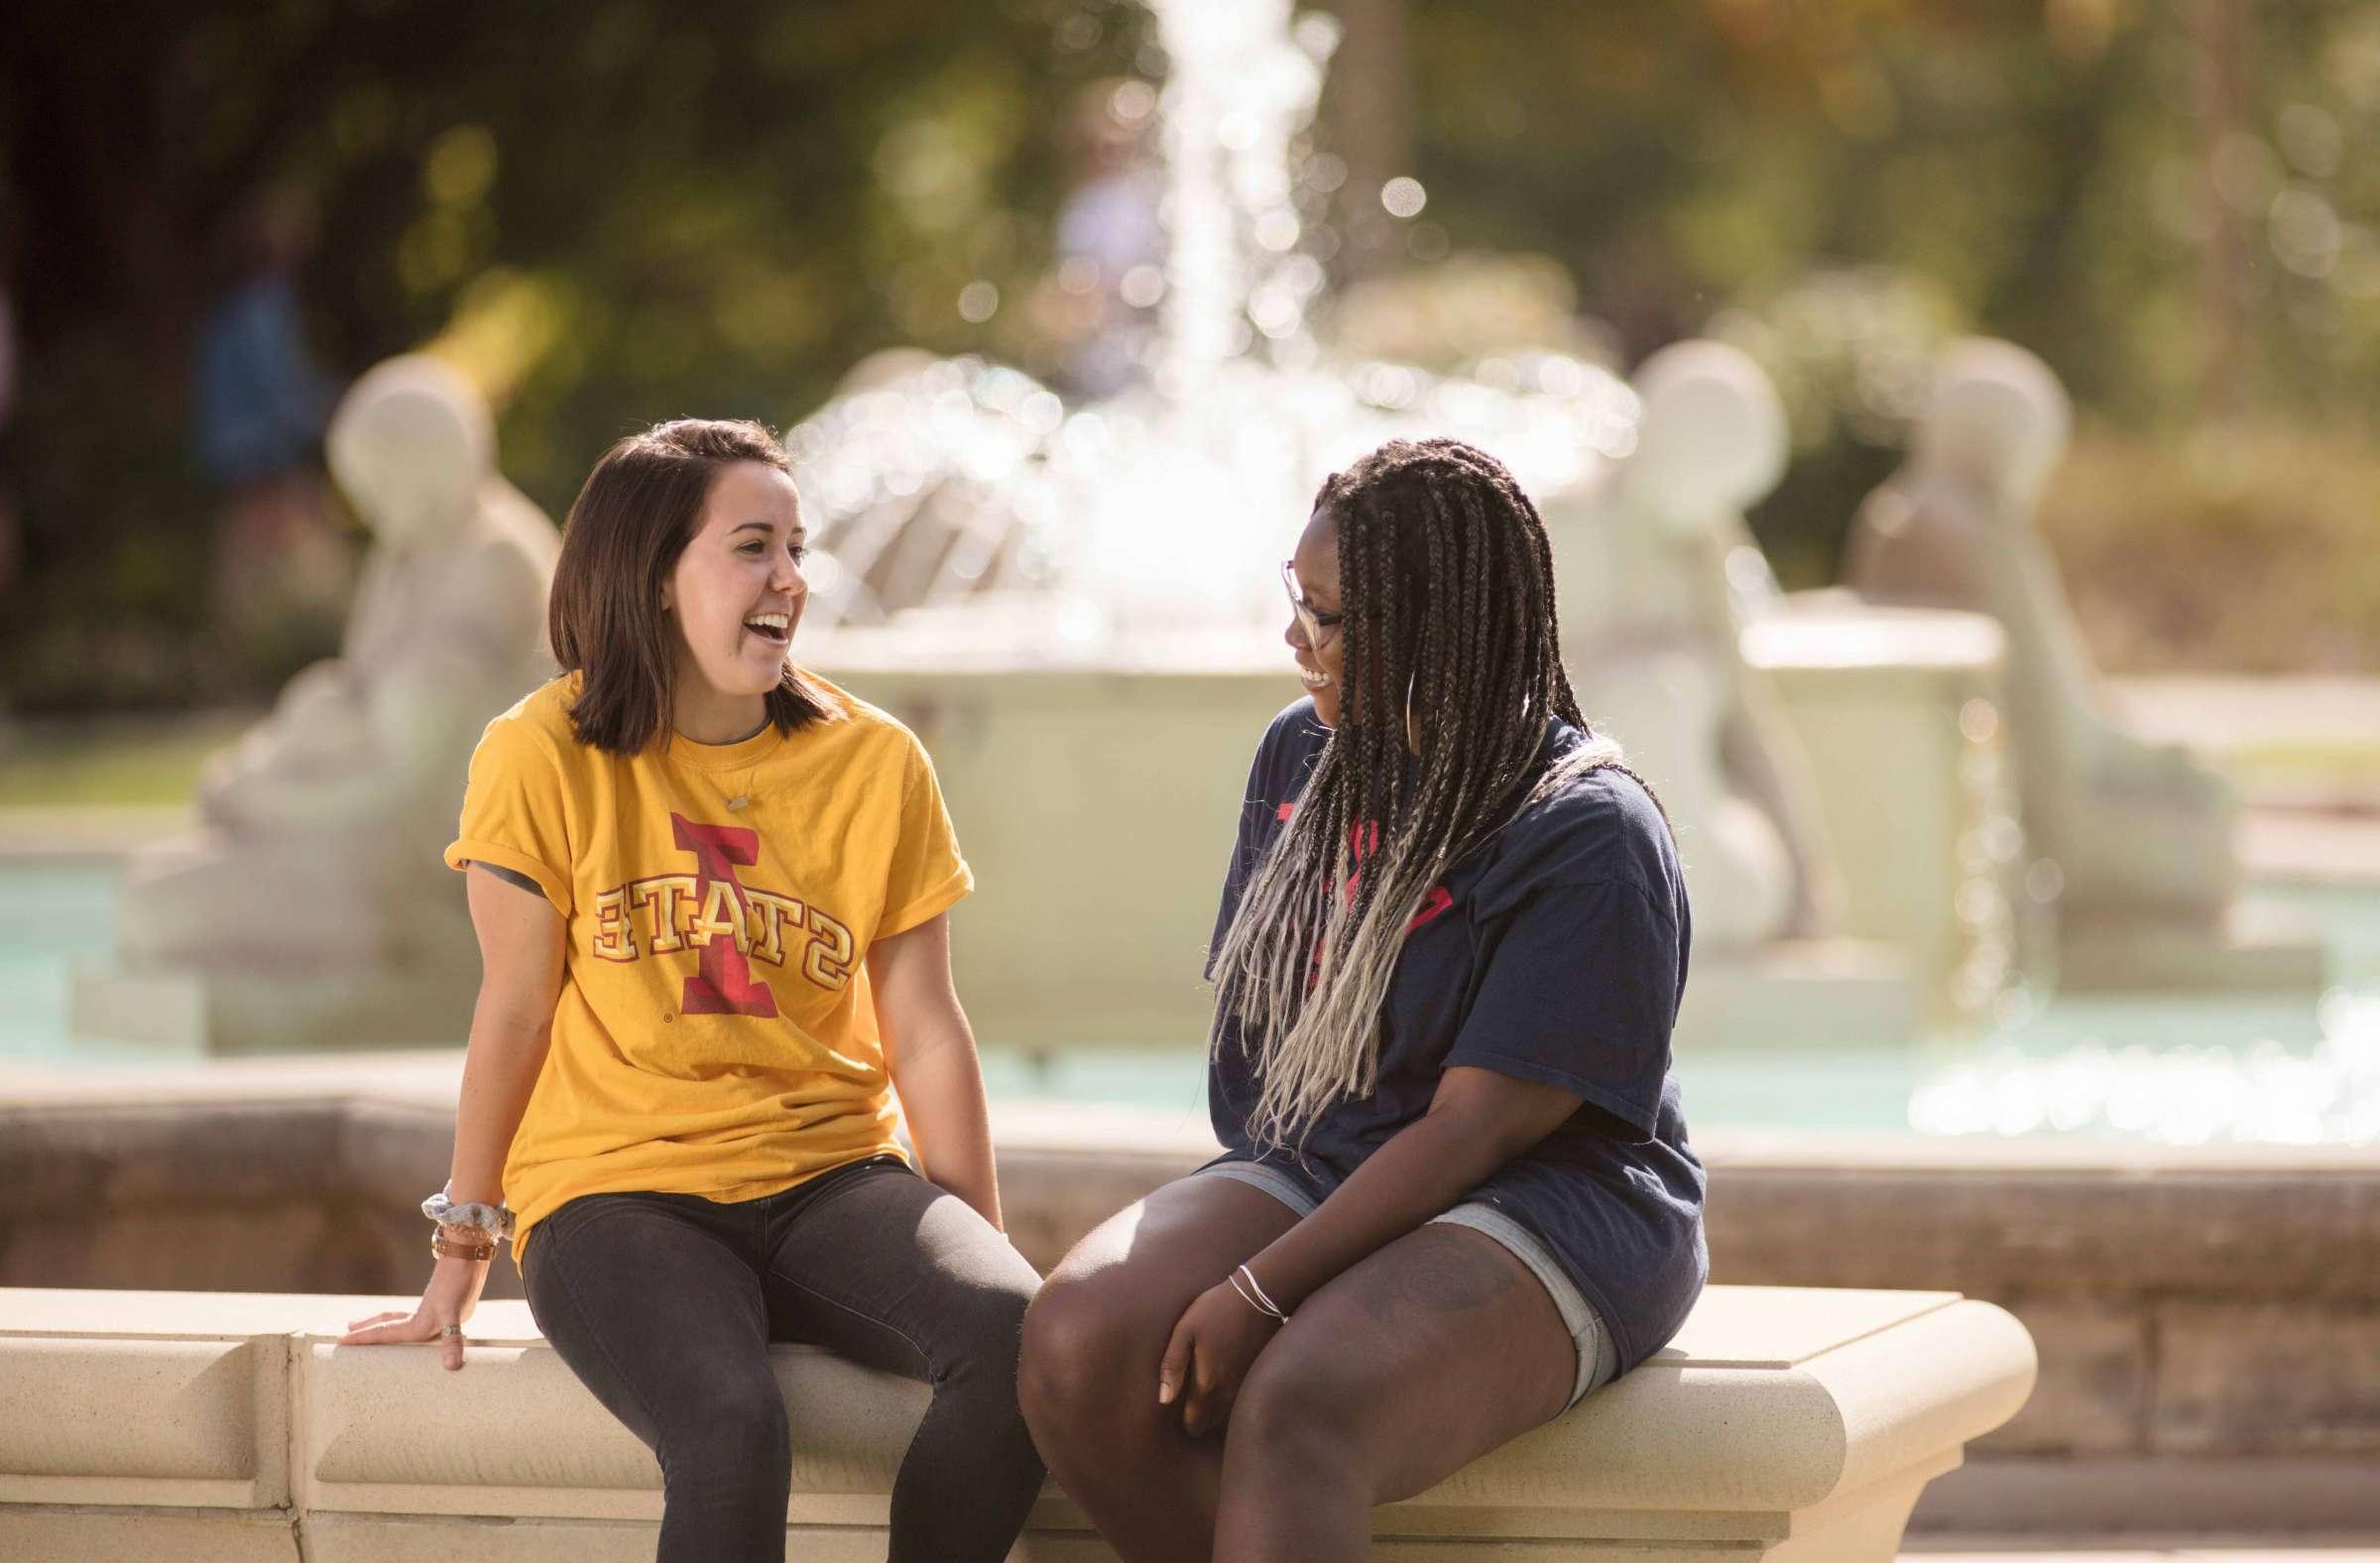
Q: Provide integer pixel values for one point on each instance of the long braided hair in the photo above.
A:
(1447, 586)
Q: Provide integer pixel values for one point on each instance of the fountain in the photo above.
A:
(1078, 609)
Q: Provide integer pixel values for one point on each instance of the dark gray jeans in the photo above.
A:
(664, 1306)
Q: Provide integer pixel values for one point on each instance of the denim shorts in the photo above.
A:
(1599, 1358)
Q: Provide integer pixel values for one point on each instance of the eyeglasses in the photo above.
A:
(1311, 621)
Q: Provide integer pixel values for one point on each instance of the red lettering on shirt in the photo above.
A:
(723, 983)
(1362, 841)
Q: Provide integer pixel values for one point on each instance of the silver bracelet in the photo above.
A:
(1234, 1277)
(1254, 1293)
(496, 1220)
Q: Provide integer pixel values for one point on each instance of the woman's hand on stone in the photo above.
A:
(446, 1304)
(1213, 1347)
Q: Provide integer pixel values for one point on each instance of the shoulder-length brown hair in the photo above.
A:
(636, 515)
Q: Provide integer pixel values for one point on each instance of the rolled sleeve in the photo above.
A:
(515, 810)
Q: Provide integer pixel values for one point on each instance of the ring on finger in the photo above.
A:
(452, 1331)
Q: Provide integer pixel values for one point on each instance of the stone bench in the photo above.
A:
(222, 1427)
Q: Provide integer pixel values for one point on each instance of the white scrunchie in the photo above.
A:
(497, 1219)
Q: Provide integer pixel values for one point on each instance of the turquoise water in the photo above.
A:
(52, 915)
(2179, 1069)
(2173, 1069)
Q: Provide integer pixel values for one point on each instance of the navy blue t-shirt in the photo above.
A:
(1557, 954)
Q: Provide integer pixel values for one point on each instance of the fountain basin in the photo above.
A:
(1097, 804)
(1096, 791)
(1898, 711)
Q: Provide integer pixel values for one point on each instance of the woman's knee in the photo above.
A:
(993, 1326)
(1078, 1347)
(1304, 1402)
(975, 1351)
(729, 1424)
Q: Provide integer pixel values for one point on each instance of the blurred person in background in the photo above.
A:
(261, 404)
(12, 546)
(1100, 302)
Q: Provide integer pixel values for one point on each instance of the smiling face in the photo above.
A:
(737, 591)
(1320, 653)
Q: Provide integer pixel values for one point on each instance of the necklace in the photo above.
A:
(742, 800)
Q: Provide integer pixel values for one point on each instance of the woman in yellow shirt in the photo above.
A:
(710, 895)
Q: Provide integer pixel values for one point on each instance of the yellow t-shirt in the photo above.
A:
(714, 1034)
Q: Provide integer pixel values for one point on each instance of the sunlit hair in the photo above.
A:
(1447, 587)
(639, 507)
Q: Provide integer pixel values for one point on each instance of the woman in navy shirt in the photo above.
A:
(1457, 1195)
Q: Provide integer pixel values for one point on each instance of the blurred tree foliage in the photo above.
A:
(610, 212)
(1838, 184)
(620, 210)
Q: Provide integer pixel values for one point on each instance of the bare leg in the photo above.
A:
(1415, 1361)
(1092, 1341)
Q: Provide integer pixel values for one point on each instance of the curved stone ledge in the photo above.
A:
(60, 1416)
(1782, 1423)
(2202, 1314)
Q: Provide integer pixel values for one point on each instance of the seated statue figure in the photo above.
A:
(2140, 832)
(1650, 579)
(320, 829)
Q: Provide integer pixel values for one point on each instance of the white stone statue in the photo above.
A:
(321, 828)
(1649, 580)
(2140, 831)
